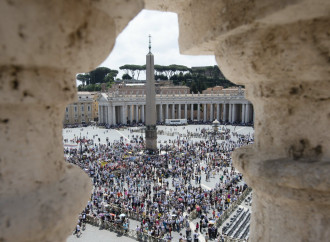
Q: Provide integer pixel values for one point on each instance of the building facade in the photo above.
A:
(227, 107)
(83, 111)
(133, 88)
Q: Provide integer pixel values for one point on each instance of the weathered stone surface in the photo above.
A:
(280, 51)
(43, 45)
(59, 34)
(290, 196)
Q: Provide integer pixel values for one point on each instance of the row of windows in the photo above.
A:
(76, 116)
(76, 120)
(76, 109)
(80, 97)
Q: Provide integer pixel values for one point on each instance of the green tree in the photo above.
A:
(161, 77)
(193, 87)
(132, 70)
(81, 88)
(84, 78)
(98, 75)
(126, 77)
(110, 77)
(159, 69)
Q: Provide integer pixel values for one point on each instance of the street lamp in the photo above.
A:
(215, 126)
(80, 147)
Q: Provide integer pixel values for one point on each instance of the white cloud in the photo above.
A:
(132, 44)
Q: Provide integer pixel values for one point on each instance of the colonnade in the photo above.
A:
(230, 111)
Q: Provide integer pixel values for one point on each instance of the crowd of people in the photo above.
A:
(161, 190)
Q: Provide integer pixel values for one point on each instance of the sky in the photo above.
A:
(131, 45)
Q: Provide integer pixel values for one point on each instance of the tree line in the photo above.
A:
(92, 81)
(197, 78)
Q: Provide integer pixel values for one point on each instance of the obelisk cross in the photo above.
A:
(149, 43)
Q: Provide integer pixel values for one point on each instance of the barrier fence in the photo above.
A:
(193, 214)
(232, 207)
(226, 238)
(118, 228)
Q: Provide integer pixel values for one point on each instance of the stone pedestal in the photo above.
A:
(151, 138)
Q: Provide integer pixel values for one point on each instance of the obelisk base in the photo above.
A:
(151, 138)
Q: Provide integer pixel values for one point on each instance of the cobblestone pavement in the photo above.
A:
(93, 233)
(113, 134)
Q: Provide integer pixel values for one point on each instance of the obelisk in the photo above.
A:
(151, 130)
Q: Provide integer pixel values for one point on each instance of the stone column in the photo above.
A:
(234, 114)
(142, 113)
(192, 112)
(173, 111)
(106, 114)
(131, 113)
(249, 106)
(132, 108)
(243, 113)
(166, 114)
(247, 111)
(114, 120)
(122, 115)
(204, 112)
(136, 113)
(224, 112)
(186, 111)
(109, 114)
(99, 115)
(104, 118)
(198, 111)
(211, 112)
(161, 112)
(230, 113)
(179, 111)
(127, 112)
(218, 111)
